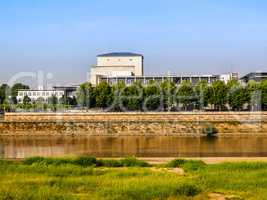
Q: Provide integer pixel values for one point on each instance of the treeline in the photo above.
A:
(167, 96)
(8, 95)
(8, 100)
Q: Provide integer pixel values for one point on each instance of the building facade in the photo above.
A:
(58, 91)
(256, 76)
(128, 68)
(34, 95)
(115, 65)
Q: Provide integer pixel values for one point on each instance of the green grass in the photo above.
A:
(90, 178)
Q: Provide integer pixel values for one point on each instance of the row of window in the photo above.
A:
(41, 94)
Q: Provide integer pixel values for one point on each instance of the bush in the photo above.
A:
(188, 165)
(188, 190)
(176, 163)
(85, 161)
(133, 162)
(109, 163)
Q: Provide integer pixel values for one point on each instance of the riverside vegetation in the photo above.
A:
(165, 96)
(129, 178)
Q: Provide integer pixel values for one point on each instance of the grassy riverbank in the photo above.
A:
(88, 178)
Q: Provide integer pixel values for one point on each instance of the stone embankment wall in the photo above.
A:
(132, 123)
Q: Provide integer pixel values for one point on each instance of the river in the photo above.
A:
(17, 147)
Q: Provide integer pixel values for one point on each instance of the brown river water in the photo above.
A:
(17, 147)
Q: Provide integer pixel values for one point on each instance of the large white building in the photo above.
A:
(128, 68)
(116, 65)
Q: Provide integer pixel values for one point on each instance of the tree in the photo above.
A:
(218, 95)
(238, 96)
(263, 87)
(202, 91)
(132, 97)
(185, 94)
(14, 91)
(254, 91)
(53, 102)
(85, 96)
(40, 104)
(4, 93)
(26, 100)
(168, 89)
(103, 95)
(152, 97)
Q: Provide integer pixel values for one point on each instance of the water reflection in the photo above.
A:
(141, 146)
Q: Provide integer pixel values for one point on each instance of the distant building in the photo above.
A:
(228, 77)
(128, 80)
(37, 94)
(117, 64)
(256, 76)
(58, 91)
(128, 68)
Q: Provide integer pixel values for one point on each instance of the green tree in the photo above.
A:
(4, 93)
(103, 95)
(238, 96)
(254, 90)
(40, 104)
(185, 95)
(14, 91)
(85, 96)
(53, 102)
(152, 97)
(202, 93)
(168, 89)
(132, 97)
(218, 95)
(263, 87)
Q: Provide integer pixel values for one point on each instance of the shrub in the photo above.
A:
(188, 165)
(188, 190)
(109, 163)
(85, 161)
(133, 162)
(32, 160)
(176, 163)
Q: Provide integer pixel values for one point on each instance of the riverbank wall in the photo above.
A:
(116, 124)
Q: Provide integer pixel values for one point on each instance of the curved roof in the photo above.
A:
(120, 54)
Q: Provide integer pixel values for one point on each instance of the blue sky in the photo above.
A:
(177, 36)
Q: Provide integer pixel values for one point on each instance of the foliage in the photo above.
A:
(53, 102)
(189, 165)
(103, 93)
(85, 161)
(185, 95)
(218, 95)
(14, 91)
(86, 96)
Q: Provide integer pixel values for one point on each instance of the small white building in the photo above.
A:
(36, 94)
(117, 64)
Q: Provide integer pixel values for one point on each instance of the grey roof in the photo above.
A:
(120, 54)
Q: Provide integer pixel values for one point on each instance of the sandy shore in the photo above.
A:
(209, 160)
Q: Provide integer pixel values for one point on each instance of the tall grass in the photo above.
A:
(84, 178)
